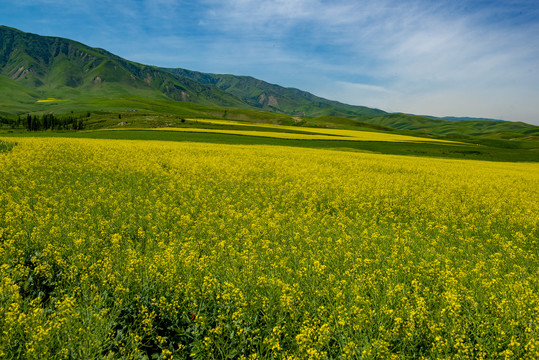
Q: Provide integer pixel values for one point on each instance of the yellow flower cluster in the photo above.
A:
(133, 249)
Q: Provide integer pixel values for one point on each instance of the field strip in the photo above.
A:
(342, 135)
(339, 134)
(48, 100)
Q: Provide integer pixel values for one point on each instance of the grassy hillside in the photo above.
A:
(15, 98)
(495, 129)
(62, 68)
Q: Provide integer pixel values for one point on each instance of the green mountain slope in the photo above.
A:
(57, 67)
(462, 118)
(270, 97)
(15, 96)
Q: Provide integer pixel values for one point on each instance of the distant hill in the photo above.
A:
(462, 128)
(461, 118)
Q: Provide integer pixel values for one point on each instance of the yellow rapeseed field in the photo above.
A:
(309, 133)
(140, 249)
(48, 100)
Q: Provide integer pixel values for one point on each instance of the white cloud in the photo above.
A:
(362, 87)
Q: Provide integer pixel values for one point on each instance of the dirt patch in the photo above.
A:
(184, 95)
(148, 80)
(21, 72)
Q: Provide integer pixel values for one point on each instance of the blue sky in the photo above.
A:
(443, 58)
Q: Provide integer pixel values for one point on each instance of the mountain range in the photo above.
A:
(34, 68)
(45, 66)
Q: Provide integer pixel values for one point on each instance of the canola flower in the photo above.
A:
(132, 249)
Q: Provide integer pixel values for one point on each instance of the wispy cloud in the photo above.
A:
(363, 87)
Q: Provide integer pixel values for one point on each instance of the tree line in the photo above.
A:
(45, 122)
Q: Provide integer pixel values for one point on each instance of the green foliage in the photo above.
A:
(52, 122)
(6, 146)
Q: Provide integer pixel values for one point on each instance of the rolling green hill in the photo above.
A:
(463, 129)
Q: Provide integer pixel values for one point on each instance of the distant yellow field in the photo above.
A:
(310, 133)
(50, 100)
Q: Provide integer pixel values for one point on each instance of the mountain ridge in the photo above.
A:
(48, 64)
(272, 97)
